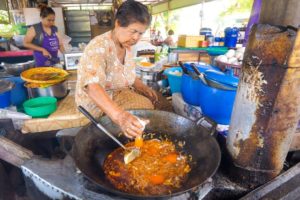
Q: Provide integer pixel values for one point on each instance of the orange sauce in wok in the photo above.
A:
(160, 169)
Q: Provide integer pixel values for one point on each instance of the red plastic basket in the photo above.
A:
(225, 66)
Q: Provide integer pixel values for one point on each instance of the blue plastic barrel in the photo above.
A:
(231, 36)
(206, 32)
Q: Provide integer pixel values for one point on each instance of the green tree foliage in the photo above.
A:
(4, 19)
(238, 6)
(166, 20)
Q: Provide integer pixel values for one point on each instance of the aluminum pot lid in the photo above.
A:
(5, 85)
(222, 78)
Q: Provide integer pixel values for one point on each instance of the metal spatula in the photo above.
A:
(130, 152)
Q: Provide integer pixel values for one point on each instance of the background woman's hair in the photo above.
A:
(170, 32)
(132, 11)
(45, 11)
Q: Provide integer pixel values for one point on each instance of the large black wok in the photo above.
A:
(91, 147)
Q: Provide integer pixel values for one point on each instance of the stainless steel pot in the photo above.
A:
(59, 90)
(148, 76)
(17, 68)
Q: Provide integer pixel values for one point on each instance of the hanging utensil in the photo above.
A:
(130, 152)
(184, 69)
(188, 72)
(200, 74)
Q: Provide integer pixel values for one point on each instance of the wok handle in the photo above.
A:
(99, 126)
(208, 124)
(13, 153)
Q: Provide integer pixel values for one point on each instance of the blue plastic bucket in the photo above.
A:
(189, 90)
(173, 79)
(190, 86)
(218, 103)
(5, 91)
(19, 92)
(5, 99)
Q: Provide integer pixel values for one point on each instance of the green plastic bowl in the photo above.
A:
(40, 107)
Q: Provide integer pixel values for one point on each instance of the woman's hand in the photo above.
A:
(145, 90)
(130, 125)
(46, 53)
(150, 93)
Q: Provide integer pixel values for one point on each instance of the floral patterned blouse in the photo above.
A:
(100, 64)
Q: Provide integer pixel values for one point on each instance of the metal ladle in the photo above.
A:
(130, 152)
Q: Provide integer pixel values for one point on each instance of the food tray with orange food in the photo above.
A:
(44, 75)
(145, 66)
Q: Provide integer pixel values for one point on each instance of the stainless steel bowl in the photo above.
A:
(17, 68)
(59, 90)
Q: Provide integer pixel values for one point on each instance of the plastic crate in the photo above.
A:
(226, 66)
(190, 40)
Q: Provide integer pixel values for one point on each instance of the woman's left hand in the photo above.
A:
(150, 93)
(145, 90)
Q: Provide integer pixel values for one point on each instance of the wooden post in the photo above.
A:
(266, 110)
(280, 12)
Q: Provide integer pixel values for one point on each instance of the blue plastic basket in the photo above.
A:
(174, 80)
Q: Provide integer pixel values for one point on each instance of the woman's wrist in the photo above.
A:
(139, 85)
(115, 114)
(41, 49)
(140, 88)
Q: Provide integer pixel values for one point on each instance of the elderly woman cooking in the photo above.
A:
(106, 75)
